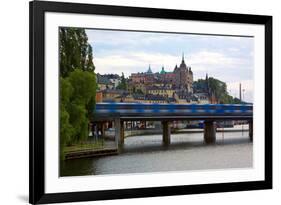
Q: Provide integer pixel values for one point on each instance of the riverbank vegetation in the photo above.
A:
(86, 145)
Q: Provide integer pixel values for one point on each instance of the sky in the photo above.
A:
(227, 58)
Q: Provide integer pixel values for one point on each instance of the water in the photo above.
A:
(186, 152)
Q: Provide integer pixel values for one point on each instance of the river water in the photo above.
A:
(186, 152)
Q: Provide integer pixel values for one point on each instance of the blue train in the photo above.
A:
(145, 109)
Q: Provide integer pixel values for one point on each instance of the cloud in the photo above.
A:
(216, 64)
(123, 38)
(210, 58)
(246, 85)
(220, 65)
(135, 62)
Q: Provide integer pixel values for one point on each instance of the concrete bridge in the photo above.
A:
(166, 113)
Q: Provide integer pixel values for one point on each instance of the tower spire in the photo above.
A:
(207, 82)
(183, 65)
(149, 69)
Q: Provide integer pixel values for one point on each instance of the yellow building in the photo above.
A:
(163, 91)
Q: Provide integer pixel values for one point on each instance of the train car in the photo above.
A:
(143, 109)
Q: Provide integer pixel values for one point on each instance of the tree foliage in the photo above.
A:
(77, 86)
(77, 101)
(75, 51)
(123, 83)
(82, 101)
(66, 129)
(217, 88)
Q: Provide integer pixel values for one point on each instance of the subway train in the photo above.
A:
(146, 109)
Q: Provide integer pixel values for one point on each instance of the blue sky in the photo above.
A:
(230, 59)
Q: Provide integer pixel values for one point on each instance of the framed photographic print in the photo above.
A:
(141, 102)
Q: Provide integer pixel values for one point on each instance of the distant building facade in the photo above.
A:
(184, 77)
(180, 79)
(107, 81)
(158, 87)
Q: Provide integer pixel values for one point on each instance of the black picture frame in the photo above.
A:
(37, 10)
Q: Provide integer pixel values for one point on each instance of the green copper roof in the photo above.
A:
(162, 71)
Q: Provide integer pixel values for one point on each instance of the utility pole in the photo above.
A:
(240, 97)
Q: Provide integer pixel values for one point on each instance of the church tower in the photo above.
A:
(184, 77)
(149, 71)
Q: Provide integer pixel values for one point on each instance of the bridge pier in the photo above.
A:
(166, 132)
(119, 132)
(251, 130)
(122, 132)
(209, 132)
(102, 129)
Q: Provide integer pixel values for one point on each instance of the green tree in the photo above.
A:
(219, 89)
(123, 83)
(216, 87)
(200, 85)
(75, 51)
(82, 102)
(66, 129)
(77, 86)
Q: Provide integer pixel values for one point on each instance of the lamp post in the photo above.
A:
(243, 100)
